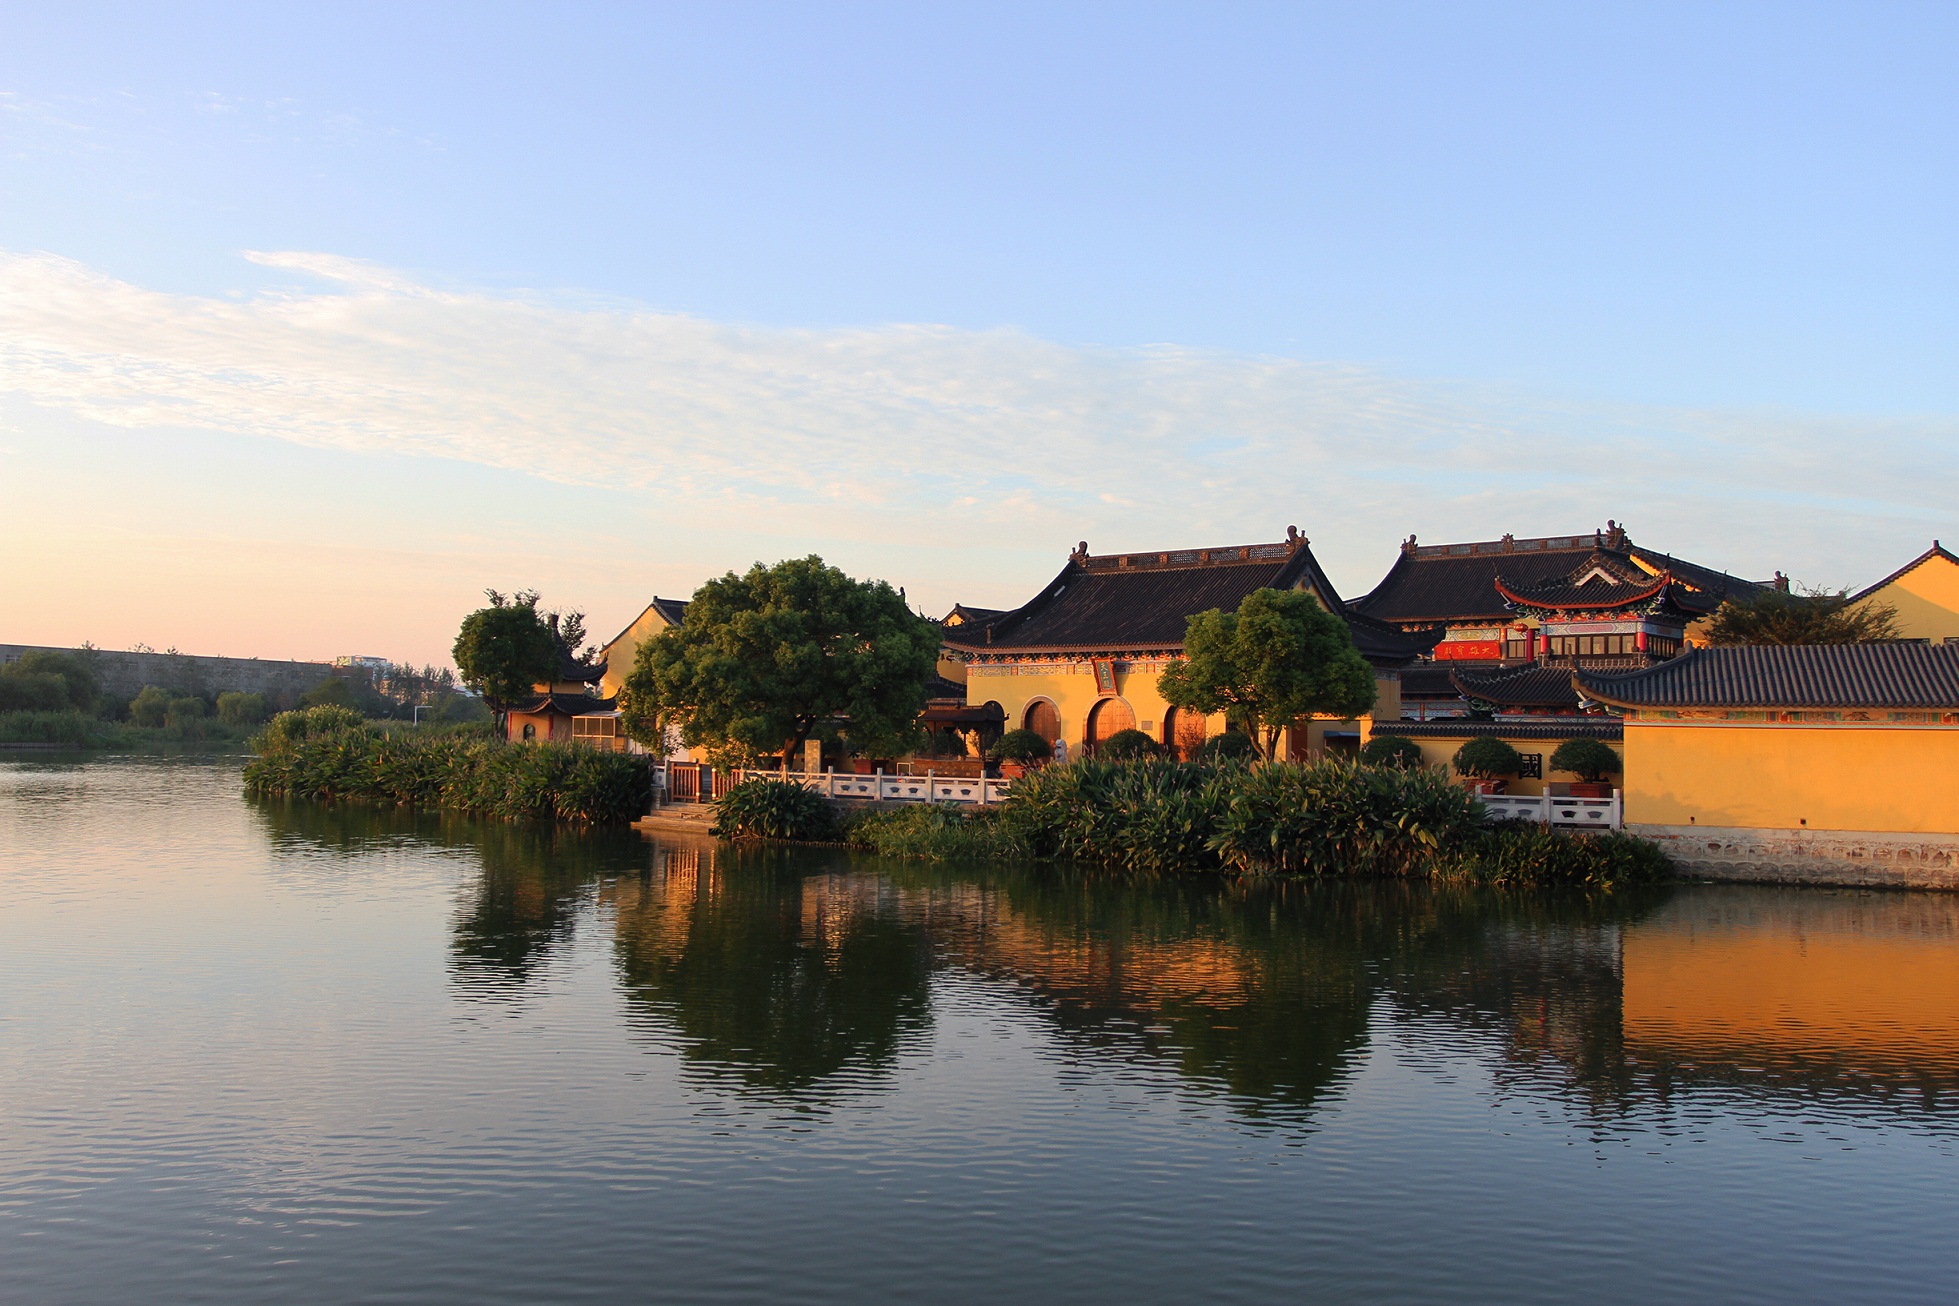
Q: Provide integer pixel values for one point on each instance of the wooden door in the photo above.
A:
(1184, 732)
(1044, 720)
(1109, 716)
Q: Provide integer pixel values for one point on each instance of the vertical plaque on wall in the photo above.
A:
(1105, 678)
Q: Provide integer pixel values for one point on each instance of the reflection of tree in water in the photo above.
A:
(789, 970)
(1233, 985)
(533, 879)
(773, 975)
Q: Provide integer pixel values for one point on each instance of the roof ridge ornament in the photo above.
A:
(1080, 554)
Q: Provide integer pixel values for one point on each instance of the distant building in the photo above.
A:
(1925, 592)
(1080, 660)
(560, 702)
(622, 650)
(1497, 607)
(355, 662)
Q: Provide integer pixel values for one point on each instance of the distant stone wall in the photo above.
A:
(125, 674)
(1839, 857)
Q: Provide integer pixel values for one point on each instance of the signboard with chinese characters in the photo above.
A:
(1468, 650)
(1105, 678)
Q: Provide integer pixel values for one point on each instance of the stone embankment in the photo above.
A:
(1824, 857)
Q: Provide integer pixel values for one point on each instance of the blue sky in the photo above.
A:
(608, 299)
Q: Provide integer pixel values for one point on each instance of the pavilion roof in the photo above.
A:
(1136, 602)
(1526, 686)
(1459, 582)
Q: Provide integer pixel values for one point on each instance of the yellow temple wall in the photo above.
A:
(1071, 688)
(1927, 600)
(1893, 778)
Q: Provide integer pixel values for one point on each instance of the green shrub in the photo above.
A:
(237, 709)
(185, 711)
(43, 680)
(1335, 816)
(1232, 745)
(1485, 758)
(63, 727)
(1023, 746)
(330, 753)
(289, 728)
(1588, 759)
(762, 808)
(1392, 750)
(1519, 853)
(150, 706)
(1126, 744)
(937, 832)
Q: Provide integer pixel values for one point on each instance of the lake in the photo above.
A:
(259, 1049)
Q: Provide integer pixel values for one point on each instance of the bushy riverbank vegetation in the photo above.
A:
(1159, 817)
(330, 753)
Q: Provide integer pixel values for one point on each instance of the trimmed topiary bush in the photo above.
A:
(1487, 759)
(1126, 744)
(1588, 759)
(1231, 746)
(1023, 746)
(763, 808)
(1392, 750)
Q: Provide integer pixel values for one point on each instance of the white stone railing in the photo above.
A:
(926, 788)
(1586, 813)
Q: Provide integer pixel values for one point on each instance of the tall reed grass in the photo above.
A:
(329, 753)
(1330, 817)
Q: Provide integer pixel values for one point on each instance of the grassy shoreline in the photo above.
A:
(1154, 817)
(330, 754)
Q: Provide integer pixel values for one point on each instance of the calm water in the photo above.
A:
(256, 1050)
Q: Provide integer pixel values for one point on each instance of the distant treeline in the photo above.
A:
(55, 697)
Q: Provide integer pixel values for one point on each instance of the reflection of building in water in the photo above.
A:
(1797, 988)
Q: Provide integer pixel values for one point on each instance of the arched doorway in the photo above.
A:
(1184, 732)
(1042, 718)
(1108, 716)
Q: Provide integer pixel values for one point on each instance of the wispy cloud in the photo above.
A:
(893, 430)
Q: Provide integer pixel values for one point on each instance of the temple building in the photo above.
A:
(618, 655)
(1502, 607)
(1924, 593)
(1080, 660)
(564, 707)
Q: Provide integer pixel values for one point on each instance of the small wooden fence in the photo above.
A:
(697, 782)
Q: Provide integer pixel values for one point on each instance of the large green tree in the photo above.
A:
(1279, 657)
(1802, 616)
(764, 659)
(506, 649)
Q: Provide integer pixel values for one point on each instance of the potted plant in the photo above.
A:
(1485, 762)
(1017, 750)
(1591, 760)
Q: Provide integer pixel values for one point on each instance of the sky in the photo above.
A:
(317, 320)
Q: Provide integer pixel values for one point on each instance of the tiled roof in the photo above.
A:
(1429, 680)
(1139, 601)
(1792, 676)
(1530, 686)
(568, 704)
(1578, 727)
(1457, 582)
